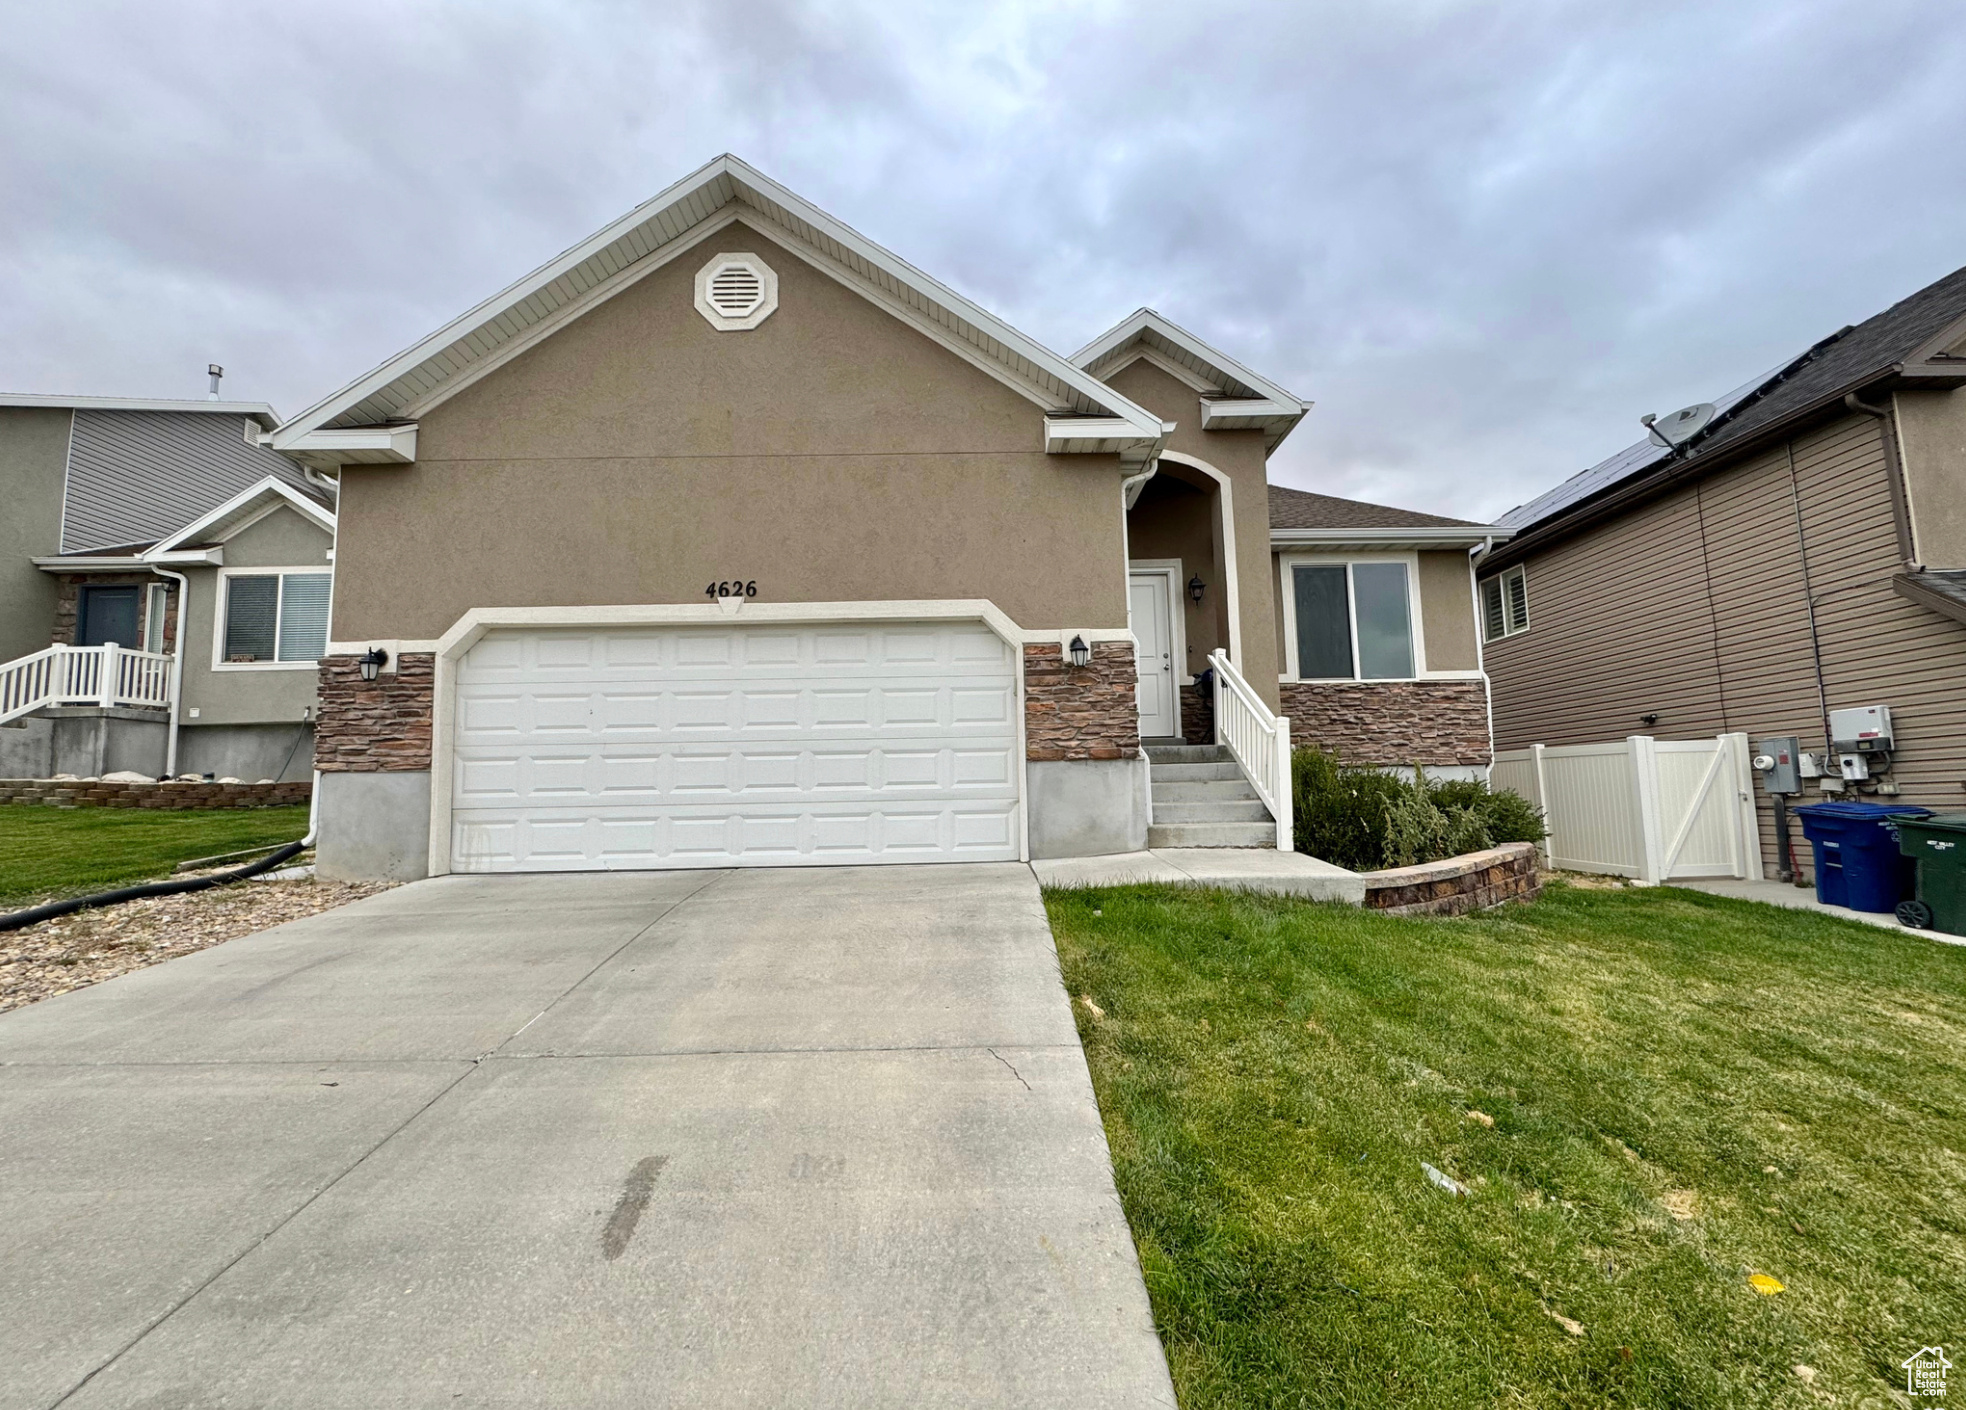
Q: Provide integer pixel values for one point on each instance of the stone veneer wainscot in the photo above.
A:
(1391, 722)
(1081, 712)
(378, 726)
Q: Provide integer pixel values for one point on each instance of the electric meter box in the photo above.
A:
(1864, 730)
(1782, 753)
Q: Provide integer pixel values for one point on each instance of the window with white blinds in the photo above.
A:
(275, 618)
(1505, 605)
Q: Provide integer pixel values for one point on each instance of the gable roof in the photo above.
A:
(1301, 518)
(247, 507)
(1233, 397)
(647, 237)
(136, 476)
(1915, 339)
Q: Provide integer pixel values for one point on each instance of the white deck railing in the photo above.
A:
(1259, 740)
(83, 675)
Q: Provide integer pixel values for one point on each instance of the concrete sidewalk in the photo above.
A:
(754, 1138)
(1232, 868)
(1803, 898)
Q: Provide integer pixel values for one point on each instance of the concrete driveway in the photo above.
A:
(771, 1138)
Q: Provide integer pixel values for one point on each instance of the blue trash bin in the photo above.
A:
(1858, 861)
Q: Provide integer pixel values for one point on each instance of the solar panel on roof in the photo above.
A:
(1625, 465)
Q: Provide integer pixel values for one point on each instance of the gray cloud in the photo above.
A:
(1482, 238)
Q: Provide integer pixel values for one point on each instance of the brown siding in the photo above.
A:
(831, 454)
(1694, 607)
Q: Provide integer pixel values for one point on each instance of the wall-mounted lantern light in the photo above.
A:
(373, 661)
(1648, 720)
(1081, 653)
(1196, 587)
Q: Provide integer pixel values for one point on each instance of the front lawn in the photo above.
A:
(49, 852)
(1651, 1096)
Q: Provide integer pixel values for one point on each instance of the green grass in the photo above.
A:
(50, 852)
(1272, 1074)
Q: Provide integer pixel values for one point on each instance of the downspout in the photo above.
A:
(1894, 474)
(1475, 555)
(177, 663)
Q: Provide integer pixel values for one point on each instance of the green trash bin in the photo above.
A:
(1939, 845)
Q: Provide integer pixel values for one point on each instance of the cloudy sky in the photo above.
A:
(1483, 238)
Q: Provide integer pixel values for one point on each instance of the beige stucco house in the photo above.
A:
(729, 538)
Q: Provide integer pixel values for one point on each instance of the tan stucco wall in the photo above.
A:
(1175, 520)
(831, 454)
(1932, 436)
(283, 539)
(1238, 455)
(33, 455)
(1447, 611)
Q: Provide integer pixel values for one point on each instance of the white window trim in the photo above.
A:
(1501, 579)
(156, 607)
(225, 576)
(1415, 618)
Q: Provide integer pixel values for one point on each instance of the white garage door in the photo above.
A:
(645, 747)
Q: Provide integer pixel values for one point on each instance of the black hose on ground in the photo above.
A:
(18, 919)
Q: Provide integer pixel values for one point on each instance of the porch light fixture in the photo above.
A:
(1081, 653)
(1196, 587)
(373, 660)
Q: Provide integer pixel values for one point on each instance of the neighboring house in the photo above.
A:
(113, 509)
(729, 538)
(1378, 642)
(1804, 553)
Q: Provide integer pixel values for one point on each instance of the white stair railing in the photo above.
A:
(108, 676)
(1259, 740)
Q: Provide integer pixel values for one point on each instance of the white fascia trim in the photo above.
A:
(742, 176)
(86, 563)
(1225, 409)
(1186, 376)
(1430, 536)
(1141, 320)
(271, 487)
(1104, 435)
(349, 445)
(258, 410)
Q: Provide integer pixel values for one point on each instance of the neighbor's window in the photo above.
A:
(157, 605)
(1354, 621)
(1504, 605)
(276, 617)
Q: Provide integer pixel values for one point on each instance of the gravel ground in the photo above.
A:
(74, 951)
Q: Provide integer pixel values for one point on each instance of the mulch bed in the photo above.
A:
(74, 951)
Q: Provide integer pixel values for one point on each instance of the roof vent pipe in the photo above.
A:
(214, 371)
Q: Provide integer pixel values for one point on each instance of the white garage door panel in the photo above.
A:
(664, 747)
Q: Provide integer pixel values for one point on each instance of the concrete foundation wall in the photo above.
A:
(89, 742)
(1086, 807)
(249, 753)
(374, 827)
(27, 748)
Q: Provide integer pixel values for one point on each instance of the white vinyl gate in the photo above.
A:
(782, 745)
(1651, 809)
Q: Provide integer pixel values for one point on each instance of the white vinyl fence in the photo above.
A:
(1651, 809)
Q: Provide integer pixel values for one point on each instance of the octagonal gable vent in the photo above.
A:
(736, 291)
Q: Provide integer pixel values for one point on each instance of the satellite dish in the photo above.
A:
(1676, 430)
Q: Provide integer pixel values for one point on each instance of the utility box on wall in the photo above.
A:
(1863, 730)
(1778, 760)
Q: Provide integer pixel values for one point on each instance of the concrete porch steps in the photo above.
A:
(1201, 799)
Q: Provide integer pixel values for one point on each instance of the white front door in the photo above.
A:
(767, 745)
(1150, 609)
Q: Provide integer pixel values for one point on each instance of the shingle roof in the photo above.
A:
(1840, 362)
(1300, 509)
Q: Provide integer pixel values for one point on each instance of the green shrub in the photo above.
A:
(1366, 819)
